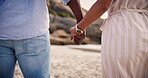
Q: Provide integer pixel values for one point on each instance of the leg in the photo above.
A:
(7, 59)
(34, 57)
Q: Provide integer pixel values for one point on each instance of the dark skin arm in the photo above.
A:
(76, 9)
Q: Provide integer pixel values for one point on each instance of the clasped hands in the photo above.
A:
(77, 38)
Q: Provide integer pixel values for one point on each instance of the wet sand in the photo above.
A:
(72, 61)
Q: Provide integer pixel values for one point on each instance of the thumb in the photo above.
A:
(70, 30)
(72, 37)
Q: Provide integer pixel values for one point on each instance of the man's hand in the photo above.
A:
(76, 37)
(76, 9)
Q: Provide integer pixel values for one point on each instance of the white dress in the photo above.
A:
(125, 40)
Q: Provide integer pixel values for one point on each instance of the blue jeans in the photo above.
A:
(33, 56)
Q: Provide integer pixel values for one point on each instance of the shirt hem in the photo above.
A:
(47, 31)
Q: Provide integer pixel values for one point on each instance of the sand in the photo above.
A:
(72, 61)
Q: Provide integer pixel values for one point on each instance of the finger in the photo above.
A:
(72, 37)
(80, 37)
(72, 34)
(70, 29)
(83, 34)
(77, 40)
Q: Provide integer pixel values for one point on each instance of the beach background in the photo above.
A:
(67, 59)
(70, 61)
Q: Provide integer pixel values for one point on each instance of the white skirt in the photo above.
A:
(125, 45)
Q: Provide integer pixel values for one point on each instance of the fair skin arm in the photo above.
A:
(93, 14)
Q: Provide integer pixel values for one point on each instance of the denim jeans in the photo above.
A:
(33, 56)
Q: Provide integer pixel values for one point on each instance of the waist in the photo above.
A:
(129, 10)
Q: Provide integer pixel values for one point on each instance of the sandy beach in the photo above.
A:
(72, 61)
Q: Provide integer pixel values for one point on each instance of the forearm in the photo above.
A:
(94, 13)
(76, 9)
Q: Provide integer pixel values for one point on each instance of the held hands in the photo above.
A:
(77, 38)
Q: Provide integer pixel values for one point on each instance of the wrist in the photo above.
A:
(79, 30)
(79, 27)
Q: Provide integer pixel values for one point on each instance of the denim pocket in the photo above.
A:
(36, 45)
